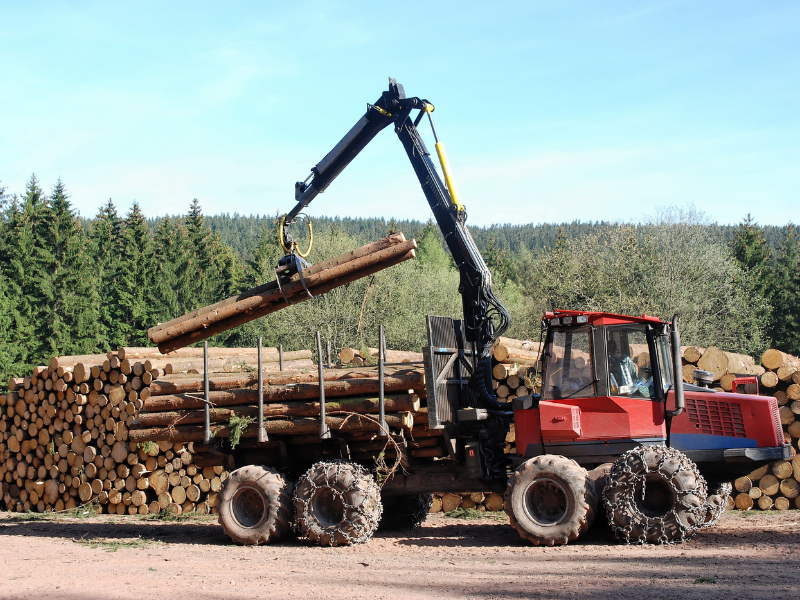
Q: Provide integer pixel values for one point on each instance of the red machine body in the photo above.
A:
(607, 385)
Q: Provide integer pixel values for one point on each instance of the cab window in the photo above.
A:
(629, 370)
(570, 372)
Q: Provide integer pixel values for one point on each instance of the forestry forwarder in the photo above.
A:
(594, 431)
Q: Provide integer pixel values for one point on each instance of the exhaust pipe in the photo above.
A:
(675, 340)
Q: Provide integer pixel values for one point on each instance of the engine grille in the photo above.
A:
(776, 416)
(716, 418)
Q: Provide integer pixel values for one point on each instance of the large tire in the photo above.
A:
(715, 504)
(337, 503)
(255, 505)
(550, 500)
(656, 495)
(401, 513)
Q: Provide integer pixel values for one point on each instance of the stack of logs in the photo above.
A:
(480, 501)
(777, 485)
(515, 364)
(65, 440)
(175, 409)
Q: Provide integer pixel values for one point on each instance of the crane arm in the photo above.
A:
(485, 318)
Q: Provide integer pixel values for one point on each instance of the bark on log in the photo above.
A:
(369, 405)
(397, 383)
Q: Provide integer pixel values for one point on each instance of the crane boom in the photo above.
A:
(485, 317)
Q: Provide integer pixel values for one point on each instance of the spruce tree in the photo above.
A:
(31, 284)
(134, 279)
(169, 260)
(785, 295)
(201, 279)
(69, 320)
(105, 238)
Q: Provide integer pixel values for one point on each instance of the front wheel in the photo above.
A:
(655, 494)
(550, 500)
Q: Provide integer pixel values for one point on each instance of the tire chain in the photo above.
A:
(630, 481)
(715, 509)
(361, 473)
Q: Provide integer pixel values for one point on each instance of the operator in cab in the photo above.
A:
(623, 372)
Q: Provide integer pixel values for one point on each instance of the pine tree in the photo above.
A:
(69, 318)
(23, 262)
(785, 295)
(134, 279)
(105, 238)
(169, 259)
(201, 278)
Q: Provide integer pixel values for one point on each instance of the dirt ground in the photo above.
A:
(754, 556)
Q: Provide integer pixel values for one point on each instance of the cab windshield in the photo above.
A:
(570, 373)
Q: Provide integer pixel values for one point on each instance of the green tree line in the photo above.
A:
(75, 286)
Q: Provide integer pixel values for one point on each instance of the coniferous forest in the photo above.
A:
(72, 285)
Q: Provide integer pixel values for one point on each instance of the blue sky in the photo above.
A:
(550, 111)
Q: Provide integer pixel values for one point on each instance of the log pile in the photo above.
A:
(65, 439)
(483, 502)
(777, 485)
(515, 365)
(270, 297)
(175, 412)
(725, 366)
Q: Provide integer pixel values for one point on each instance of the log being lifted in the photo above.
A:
(265, 299)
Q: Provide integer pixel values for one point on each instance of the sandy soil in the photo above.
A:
(127, 557)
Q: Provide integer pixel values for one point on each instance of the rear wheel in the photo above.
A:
(550, 500)
(655, 494)
(337, 503)
(255, 505)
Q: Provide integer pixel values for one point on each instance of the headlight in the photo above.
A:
(582, 319)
